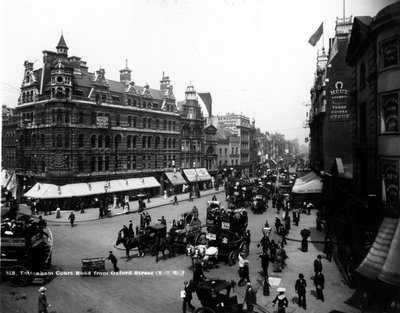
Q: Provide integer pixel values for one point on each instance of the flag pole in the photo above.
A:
(344, 7)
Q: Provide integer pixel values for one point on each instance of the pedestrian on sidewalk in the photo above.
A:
(214, 198)
(72, 219)
(245, 273)
(190, 196)
(82, 206)
(42, 301)
(188, 289)
(277, 224)
(175, 200)
(58, 212)
(319, 282)
(100, 212)
(147, 219)
(250, 297)
(283, 233)
(300, 288)
(328, 249)
(318, 264)
(264, 262)
(296, 216)
(241, 263)
(114, 261)
(281, 299)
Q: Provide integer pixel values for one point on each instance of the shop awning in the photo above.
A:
(51, 191)
(382, 260)
(309, 183)
(203, 174)
(175, 178)
(191, 175)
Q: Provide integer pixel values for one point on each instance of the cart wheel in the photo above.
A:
(232, 258)
(204, 310)
(19, 276)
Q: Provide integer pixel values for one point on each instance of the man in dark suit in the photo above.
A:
(250, 297)
(42, 301)
(318, 264)
(300, 288)
(319, 281)
(188, 297)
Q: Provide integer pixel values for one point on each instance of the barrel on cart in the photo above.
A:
(93, 266)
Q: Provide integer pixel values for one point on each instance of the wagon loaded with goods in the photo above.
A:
(26, 250)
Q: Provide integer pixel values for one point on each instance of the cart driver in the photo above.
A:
(203, 239)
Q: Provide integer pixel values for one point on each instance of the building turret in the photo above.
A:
(125, 74)
(164, 82)
(190, 93)
(62, 48)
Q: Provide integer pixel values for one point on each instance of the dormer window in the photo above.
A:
(27, 78)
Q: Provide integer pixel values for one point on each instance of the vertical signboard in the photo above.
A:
(390, 183)
(390, 112)
(339, 108)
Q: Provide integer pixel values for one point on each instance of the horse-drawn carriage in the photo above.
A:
(153, 238)
(215, 296)
(188, 229)
(226, 230)
(26, 250)
(259, 204)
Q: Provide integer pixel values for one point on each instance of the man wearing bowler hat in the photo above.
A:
(300, 288)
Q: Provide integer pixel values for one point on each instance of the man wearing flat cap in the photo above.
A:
(42, 301)
(300, 288)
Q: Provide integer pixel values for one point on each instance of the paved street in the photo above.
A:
(138, 291)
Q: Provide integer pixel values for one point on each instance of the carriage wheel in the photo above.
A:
(232, 258)
(204, 310)
(18, 276)
(244, 248)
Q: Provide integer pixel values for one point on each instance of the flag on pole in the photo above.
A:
(317, 35)
(334, 49)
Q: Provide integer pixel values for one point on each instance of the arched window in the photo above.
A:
(117, 141)
(144, 122)
(173, 125)
(149, 142)
(134, 142)
(169, 143)
(134, 102)
(128, 141)
(80, 164)
(107, 141)
(66, 141)
(93, 141)
(59, 140)
(144, 142)
(128, 162)
(157, 143)
(165, 124)
(116, 162)
(100, 164)
(80, 118)
(100, 141)
(80, 140)
(93, 164)
(169, 125)
(174, 143)
(165, 143)
(149, 123)
(106, 163)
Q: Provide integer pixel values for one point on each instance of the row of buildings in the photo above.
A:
(355, 135)
(76, 126)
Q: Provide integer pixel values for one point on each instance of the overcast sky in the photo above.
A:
(253, 56)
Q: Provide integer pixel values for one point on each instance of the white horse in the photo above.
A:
(204, 254)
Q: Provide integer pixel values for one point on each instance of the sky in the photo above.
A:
(252, 56)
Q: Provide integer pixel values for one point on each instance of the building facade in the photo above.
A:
(79, 126)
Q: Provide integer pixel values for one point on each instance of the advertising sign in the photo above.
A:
(102, 121)
(339, 107)
(390, 181)
(390, 112)
(225, 225)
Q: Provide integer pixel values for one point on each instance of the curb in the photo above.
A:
(106, 217)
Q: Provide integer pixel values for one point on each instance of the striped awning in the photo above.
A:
(175, 178)
(382, 260)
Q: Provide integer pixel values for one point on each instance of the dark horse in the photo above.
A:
(131, 243)
(160, 244)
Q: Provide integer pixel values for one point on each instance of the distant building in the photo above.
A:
(8, 138)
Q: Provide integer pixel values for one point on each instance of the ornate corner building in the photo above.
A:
(78, 126)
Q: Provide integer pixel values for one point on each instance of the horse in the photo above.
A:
(130, 243)
(160, 245)
(204, 254)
